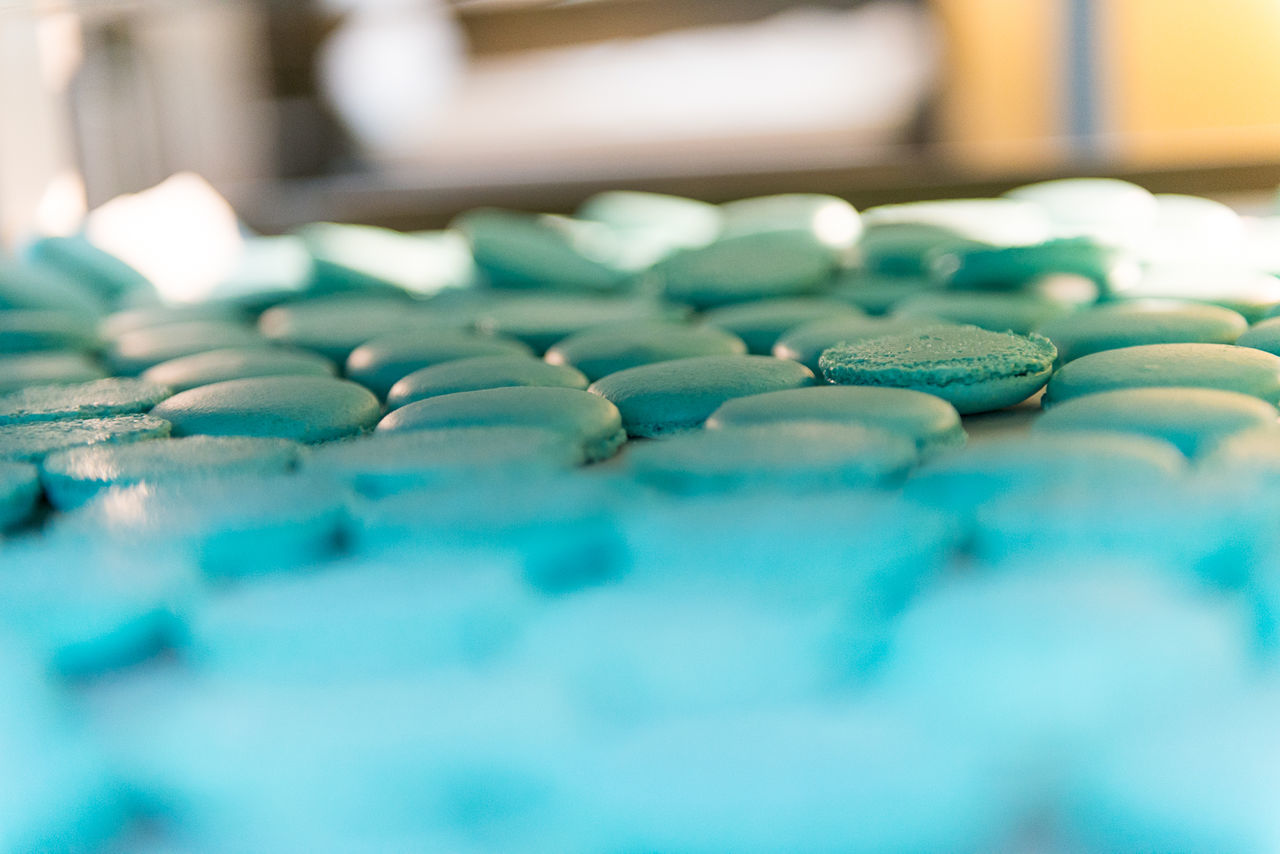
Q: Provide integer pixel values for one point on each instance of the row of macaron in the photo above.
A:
(703, 254)
(731, 501)
(377, 340)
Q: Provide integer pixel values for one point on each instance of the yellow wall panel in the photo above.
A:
(1002, 101)
(1191, 80)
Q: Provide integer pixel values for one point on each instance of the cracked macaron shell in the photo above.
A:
(974, 369)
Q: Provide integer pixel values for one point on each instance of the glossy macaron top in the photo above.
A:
(482, 372)
(1195, 420)
(381, 362)
(594, 422)
(669, 397)
(235, 363)
(306, 409)
(603, 350)
(1220, 366)
(1113, 325)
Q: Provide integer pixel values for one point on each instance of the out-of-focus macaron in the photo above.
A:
(74, 476)
(931, 423)
(760, 323)
(388, 463)
(1194, 420)
(792, 456)
(603, 350)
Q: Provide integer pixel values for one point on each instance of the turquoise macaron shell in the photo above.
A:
(234, 363)
(1194, 420)
(587, 418)
(1111, 326)
(334, 326)
(761, 322)
(479, 373)
(746, 267)
(876, 293)
(931, 423)
(974, 369)
(381, 363)
(604, 350)
(521, 250)
(131, 353)
(541, 320)
(38, 286)
(670, 397)
(306, 409)
(1263, 335)
(1217, 366)
(1011, 268)
(998, 312)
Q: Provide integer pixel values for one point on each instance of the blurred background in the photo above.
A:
(404, 112)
